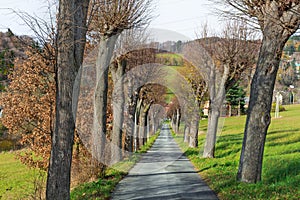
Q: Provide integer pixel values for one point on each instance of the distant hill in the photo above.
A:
(17, 44)
(11, 47)
(164, 35)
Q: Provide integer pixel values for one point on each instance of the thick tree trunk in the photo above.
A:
(71, 18)
(106, 48)
(259, 118)
(118, 110)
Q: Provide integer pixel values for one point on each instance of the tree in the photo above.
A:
(234, 52)
(235, 97)
(174, 114)
(129, 41)
(193, 101)
(277, 20)
(143, 73)
(31, 94)
(150, 94)
(221, 61)
(70, 47)
(111, 18)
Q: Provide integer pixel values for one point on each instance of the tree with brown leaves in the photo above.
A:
(29, 107)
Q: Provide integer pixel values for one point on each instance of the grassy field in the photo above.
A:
(281, 167)
(19, 182)
(16, 180)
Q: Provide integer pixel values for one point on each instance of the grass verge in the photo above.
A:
(17, 181)
(102, 188)
(281, 166)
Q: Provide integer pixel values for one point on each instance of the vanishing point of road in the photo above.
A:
(163, 173)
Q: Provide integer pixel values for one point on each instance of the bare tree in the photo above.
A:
(110, 18)
(277, 20)
(234, 52)
(149, 94)
(221, 61)
(198, 88)
(70, 46)
(135, 80)
(129, 41)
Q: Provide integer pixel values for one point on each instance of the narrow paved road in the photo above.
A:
(163, 173)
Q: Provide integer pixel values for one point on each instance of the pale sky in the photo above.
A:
(183, 16)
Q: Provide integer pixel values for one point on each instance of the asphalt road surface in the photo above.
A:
(163, 173)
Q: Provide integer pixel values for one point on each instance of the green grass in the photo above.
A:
(102, 188)
(281, 166)
(16, 180)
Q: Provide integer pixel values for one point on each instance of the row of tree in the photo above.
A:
(222, 63)
(109, 99)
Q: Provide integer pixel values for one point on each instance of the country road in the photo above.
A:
(163, 173)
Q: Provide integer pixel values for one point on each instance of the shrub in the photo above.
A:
(6, 145)
(281, 108)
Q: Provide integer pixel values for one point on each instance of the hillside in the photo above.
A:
(11, 47)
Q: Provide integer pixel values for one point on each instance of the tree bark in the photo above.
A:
(72, 17)
(178, 117)
(209, 149)
(118, 110)
(130, 120)
(194, 129)
(136, 124)
(217, 97)
(142, 128)
(258, 117)
(105, 53)
(142, 134)
(153, 122)
(148, 127)
(186, 133)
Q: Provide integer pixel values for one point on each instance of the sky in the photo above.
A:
(182, 16)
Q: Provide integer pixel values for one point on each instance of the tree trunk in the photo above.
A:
(209, 149)
(72, 17)
(106, 48)
(193, 141)
(130, 120)
(217, 97)
(142, 128)
(154, 122)
(118, 110)
(148, 127)
(143, 124)
(174, 122)
(259, 118)
(136, 125)
(177, 120)
(186, 133)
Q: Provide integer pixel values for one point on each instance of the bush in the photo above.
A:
(281, 108)
(6, 145)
